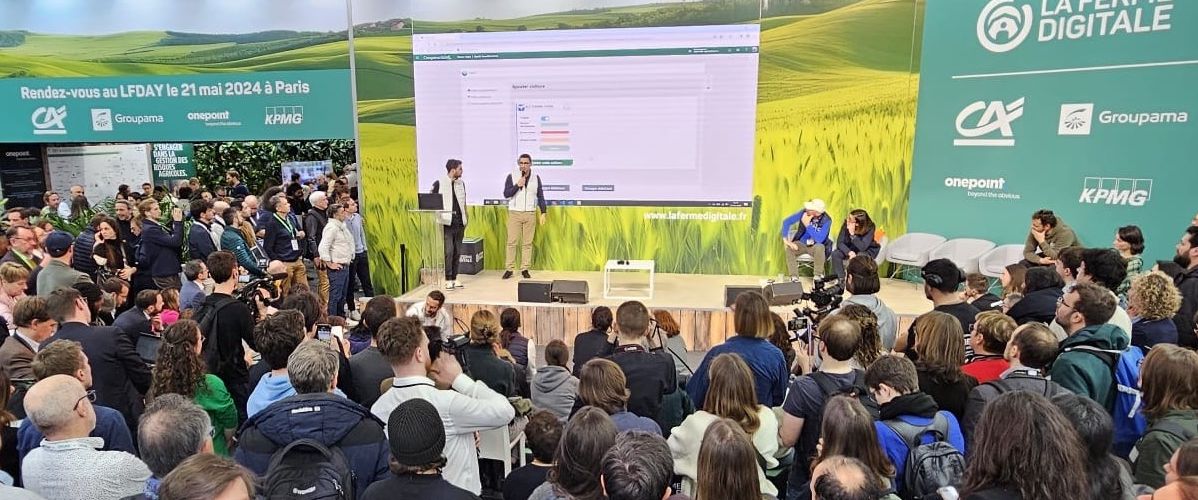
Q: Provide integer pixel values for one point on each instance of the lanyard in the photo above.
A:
(286, 225)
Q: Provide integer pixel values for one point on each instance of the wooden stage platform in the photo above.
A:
(695, 300)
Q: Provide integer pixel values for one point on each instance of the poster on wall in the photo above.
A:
(307, 170)
(172, 164)
(99, 169)
(1085, 108)
(22, 174)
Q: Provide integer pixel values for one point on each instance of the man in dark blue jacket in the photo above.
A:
(809, 237)
(82, 260)
(283, 240)
(159, 252)
(199, 241)
(314, 412)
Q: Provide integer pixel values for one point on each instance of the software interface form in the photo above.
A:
(624, 116)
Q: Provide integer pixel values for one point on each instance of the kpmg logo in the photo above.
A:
(102, 120)
(1116, 191)
(1003, 26)
(994, 121)
(1076, 119)
(48, 120)
(284, 115)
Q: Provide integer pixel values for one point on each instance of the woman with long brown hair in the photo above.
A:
(602, 384)
(730, 396)
(109, 250)
(870, 347)
(1012, 279)
(857, 237)
(940, 344)
(1169, 381)
(754, 325)
(180, 369)
(1025, 448)
(727, 464)
(848, 430)
(674, 343)
(576, 464)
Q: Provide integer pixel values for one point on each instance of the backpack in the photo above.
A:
(856, 389)
(206, 316)
(1130, 422)
(308, 470)
(930, 466)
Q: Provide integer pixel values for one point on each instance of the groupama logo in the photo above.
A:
(1003, 26)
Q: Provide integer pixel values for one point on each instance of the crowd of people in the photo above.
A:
(141, 364)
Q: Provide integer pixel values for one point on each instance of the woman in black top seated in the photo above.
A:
(1041, 288)
(856, 238)
(482, 362)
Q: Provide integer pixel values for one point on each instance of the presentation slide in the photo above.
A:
(616, 117)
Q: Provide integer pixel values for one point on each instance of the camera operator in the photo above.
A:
(862, 283)
(227, 325)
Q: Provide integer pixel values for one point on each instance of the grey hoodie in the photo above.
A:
(887, 321)
(554, 389)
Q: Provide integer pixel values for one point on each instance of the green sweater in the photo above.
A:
(215, 399)
(1157, 447)
(1082, 372)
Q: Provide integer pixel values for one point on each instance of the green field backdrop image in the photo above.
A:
(835, 117)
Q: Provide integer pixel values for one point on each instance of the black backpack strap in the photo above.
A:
(1000, 385)
(912, 434)
(826, 387)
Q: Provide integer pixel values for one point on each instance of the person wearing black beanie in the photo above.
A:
(417, 440)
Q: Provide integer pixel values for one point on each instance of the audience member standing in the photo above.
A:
(191, 294)
(417, 443)
(1031, 348)
(57, 273)
(81, 255)
(226, 323)
(731, 397)
(1045, 459)
(32, 325)
(336, 254)
(1047, 237)
(1083, 313)
(158, 255)
(121, 377)
(369, 366)
(602, 385)
(315, 220)
(1169, 379)
(577, 464)
(941, 355)
(360, 270)
(465, 406)
(111, 252)
(180, 369)
(989, 338)
(1187, 283)
(139, 319)
(69, 464)
(753, 327)
(282, 240)
(1152, 301)
(554, 388)
(22, 241)
(1108, 476)
(234, 241)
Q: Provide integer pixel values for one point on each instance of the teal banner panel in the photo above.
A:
(1084, 107)
(273, 106)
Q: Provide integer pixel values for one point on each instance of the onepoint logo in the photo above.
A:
(1116, 191)
(1076, 119)
(284, 115)
(102, 120)
(208, 116)
(1002, 26)
(982, 188)
(48, 120)
(996, 117)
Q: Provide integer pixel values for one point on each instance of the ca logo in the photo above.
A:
(49, 121)
(1002, 26)
(996, 117)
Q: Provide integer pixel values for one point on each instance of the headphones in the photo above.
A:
(937, 280)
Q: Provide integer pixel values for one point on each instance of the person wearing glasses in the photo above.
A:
(65, 357)
(1083, 313)
(525, 196)
(121, 377)
(69, 464)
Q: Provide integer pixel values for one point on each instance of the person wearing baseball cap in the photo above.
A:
(58, 272)
(417, 439)
(941, 279)
(808, 237)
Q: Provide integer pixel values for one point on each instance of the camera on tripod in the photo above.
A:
(452, 346)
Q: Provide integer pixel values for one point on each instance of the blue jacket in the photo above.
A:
(896, 449)
(1147, 333)
(330, 420)
(159, 251)
(199, 241)
(628, 421)
(817, 231)
(770, 374)
(83, 260)
(191, 296)
(862, 245)
(110, 426)
(278, 240)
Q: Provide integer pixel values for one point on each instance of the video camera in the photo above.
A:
(250, 295)
(825, 296)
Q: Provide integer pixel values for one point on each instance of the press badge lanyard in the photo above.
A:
(290, 230)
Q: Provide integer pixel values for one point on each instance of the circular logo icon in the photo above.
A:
(1002, 25)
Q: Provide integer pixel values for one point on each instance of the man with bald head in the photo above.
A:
(69, 464)
(844, 478)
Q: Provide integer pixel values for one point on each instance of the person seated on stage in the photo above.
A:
(977, 292)
(1049, 235)
(432, 312)
(810, 237)
(857, 237)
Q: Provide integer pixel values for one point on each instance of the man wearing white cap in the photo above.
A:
(808, 237)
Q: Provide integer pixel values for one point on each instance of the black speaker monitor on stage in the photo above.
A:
(783, 293)
(732, 291)
(534, 291)
(570, 291)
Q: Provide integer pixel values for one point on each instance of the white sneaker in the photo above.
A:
(449, 285)
(458, 284)
(355, 316)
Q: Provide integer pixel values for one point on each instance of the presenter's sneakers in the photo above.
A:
(449, 285)
(525, 274)
(458, 284)
(507, 275)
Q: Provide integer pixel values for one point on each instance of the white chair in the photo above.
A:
(911, 250)
(993, 263)
(882, 250)
(498, 443)
(964, 252)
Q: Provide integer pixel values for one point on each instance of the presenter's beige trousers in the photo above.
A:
(521, 226)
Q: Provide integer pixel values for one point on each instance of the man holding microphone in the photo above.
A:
(524, 194)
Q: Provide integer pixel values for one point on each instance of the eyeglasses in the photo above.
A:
(90, 396)
(1061, 302)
